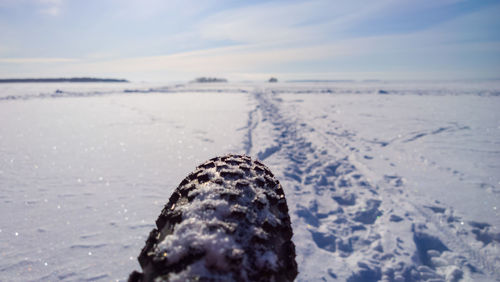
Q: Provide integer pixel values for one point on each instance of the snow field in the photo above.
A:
(356, 191)
(83, 179)
(394, 185)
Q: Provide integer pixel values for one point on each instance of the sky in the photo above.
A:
(178, 40)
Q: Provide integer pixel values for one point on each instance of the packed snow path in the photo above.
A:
(351, 226)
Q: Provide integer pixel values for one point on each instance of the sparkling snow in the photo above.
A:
(384, 180)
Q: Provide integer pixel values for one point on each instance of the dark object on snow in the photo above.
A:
(383, 92)
(227, 220)
(273, 79)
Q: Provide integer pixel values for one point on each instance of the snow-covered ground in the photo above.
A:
(384, 180)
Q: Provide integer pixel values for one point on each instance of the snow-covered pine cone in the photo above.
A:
(227, 220)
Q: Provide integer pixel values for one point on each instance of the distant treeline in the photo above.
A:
(209, 79)
(72, 79)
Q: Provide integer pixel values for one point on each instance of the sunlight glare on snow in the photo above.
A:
(98, 145)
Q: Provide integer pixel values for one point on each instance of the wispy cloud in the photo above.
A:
(131, 38)
(146, 9)
(279, 22)
(438, 49)
(308, 21)
(37, 60)
(50, 7)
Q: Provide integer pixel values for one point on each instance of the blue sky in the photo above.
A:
(171, 40)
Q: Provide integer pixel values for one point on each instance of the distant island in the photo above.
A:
(49, 80)
(209, 80)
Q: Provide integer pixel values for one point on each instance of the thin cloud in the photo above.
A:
(278, 37)
(50, 7)
(421, 50)
(37, 60)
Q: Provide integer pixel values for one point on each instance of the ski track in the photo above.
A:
(363, 227)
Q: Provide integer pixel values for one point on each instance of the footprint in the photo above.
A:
(347, 199)
(425, 242)
(324, 241)
(370, 213)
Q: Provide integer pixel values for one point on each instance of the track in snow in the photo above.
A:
(353, 225)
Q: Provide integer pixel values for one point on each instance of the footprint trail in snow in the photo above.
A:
(350, 224)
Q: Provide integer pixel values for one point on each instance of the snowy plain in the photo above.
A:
(394, 181)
